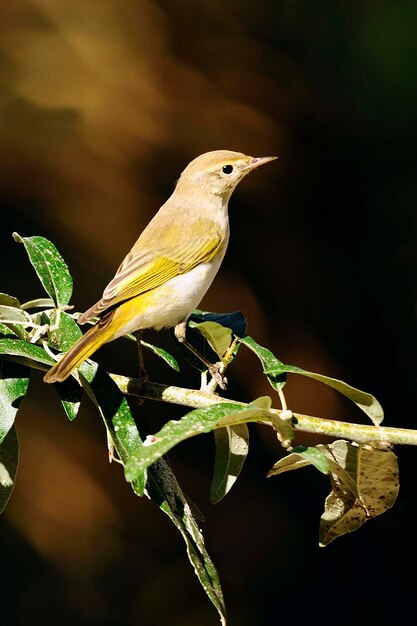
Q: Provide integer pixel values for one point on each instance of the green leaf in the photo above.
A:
(288, 463)
(235, 322)
(232, 445)
(119, 421)
(14, 381)
(6, 332)
(253, 413)
(161, 486)
(263, 402)
(314, 456)
(9, 459)
(163, 354)
(365, 401)
(301, 457)
(12, 314)
(321, 457)
(219, 337)
(165, 491)
(28, 351)
(6, 300)
(50, 267)
(276, 371)
(271, 365)
(196, 512)
(29, 354)
(70, 393)
(62, 338)
(117, 416)
(38, 303)
(16, 319)
(195, 423)
(374, 473)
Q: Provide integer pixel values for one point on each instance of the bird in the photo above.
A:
(173, 263)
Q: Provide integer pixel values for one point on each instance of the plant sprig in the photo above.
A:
(361, 466)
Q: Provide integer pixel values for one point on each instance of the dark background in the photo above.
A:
(102, 105)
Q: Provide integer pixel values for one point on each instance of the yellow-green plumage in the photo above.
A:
(174, 261)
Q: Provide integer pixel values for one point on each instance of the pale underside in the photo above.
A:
(170, 303)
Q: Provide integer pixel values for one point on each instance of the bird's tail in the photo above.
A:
(80, 351)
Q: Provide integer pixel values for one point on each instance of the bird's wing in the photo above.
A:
(142, 272)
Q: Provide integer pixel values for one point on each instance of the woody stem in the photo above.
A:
(303, 423)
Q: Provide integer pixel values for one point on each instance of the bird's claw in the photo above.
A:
(142, 379)
(217, 376)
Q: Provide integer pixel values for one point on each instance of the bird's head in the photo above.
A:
(219, 172)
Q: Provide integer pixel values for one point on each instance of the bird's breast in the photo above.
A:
(172, 302)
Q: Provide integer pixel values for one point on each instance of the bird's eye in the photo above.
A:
(227, 169)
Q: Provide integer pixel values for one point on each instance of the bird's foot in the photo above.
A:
(142, 379)
(216, 373)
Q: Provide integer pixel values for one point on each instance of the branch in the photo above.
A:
(303, 423)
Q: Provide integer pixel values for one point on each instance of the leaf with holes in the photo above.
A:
(372, 487)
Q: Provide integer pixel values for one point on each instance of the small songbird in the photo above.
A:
(172, 264)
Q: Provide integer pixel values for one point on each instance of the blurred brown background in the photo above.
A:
(102, 105)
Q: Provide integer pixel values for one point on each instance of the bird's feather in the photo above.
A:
(141, 273)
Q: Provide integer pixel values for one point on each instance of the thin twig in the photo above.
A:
(304, 423)
(196, 399)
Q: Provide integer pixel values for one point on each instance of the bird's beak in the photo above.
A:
(257, 162)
